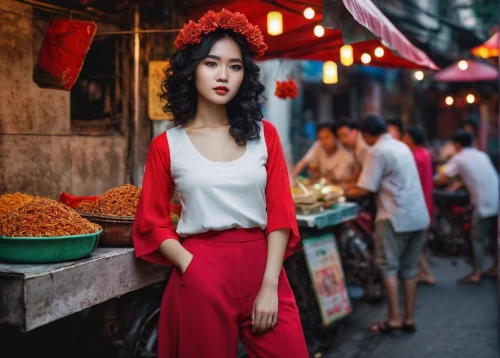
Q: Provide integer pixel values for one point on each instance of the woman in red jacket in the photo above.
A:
(238, 222)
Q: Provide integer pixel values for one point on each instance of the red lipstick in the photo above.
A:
(221, 90)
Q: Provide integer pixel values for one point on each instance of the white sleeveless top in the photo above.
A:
(218, 195)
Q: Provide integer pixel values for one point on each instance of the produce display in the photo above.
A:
(121, 201)
(43, 217)
(9, 202)
(312, 198)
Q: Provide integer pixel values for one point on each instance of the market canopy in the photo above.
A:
(467, 71)
(487, 49)
(298, 40)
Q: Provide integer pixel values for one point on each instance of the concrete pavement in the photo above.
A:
(452, 321)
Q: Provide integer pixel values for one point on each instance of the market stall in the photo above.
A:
(326, 263)
(34, 295)
(58, 258)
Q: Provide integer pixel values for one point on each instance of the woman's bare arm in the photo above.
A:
(176, 253)
(265, 312)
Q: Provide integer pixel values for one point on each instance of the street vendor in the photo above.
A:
(350, 137)
(402, 217)
(327, 158)
(238, 220)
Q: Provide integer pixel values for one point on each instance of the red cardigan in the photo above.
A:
(153, 225)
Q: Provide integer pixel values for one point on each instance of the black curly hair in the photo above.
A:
(180, 94)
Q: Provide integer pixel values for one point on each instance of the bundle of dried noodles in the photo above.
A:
(121, 201)
(45, 217)
(9, 202)
(87, 205)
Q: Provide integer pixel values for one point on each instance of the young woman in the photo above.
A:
(238, 221)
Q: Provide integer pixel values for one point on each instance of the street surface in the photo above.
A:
(452, 321)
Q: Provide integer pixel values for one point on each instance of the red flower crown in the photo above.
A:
(192, 32)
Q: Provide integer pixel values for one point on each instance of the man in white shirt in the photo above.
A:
(350, 137)
(402, 217)
(481, 180)
(327, 158)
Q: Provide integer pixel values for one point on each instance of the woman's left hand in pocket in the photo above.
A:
(265, 310)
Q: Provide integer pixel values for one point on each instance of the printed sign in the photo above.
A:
(327, 276)
(156, 77)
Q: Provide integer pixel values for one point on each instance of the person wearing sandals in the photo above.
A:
(402, 218)
(481, 180)
(414, 138)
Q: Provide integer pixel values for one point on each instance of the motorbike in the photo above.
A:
(450, 229)
(357, 250)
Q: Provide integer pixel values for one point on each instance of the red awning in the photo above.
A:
(368, 15)
(299, 42)
(475, 71)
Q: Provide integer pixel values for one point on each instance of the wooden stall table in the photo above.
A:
(36, 294)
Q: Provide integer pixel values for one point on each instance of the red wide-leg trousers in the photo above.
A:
(205, 310)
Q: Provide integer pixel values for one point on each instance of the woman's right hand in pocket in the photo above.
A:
(185, 261)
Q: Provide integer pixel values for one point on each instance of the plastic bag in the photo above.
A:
(63, 52)
(73, 200)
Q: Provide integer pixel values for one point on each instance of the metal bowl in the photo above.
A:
(116, 230)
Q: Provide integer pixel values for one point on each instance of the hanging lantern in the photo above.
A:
(274, 23)
(330, 74)
(449, 100)
(309, 13)
(463, 65)
(319, 30)
(346, 55)
(419, 75)
(366, 58)
(379, 52)
(470, 98)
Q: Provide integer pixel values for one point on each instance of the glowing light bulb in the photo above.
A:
(483, 52)
(274, 23)
(379, 52)
(463, 65)
(419, 75)
(319, 30)
(330, 74)
(346, 55)
(470, 98)
(449, 100)
(366, 58)
(309, 13)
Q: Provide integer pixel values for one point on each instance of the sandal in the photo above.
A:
(491, 273)
(427, 281)
(468, 280)
(409, 328)
(384, 328)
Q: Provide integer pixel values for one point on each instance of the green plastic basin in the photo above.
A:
(47, 249)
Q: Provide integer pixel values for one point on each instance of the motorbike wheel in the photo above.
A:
(139, 327)
(358, 260)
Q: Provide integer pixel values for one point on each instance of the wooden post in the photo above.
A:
(136, 97)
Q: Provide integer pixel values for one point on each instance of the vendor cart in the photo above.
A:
(126, 293)
(316, 273)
